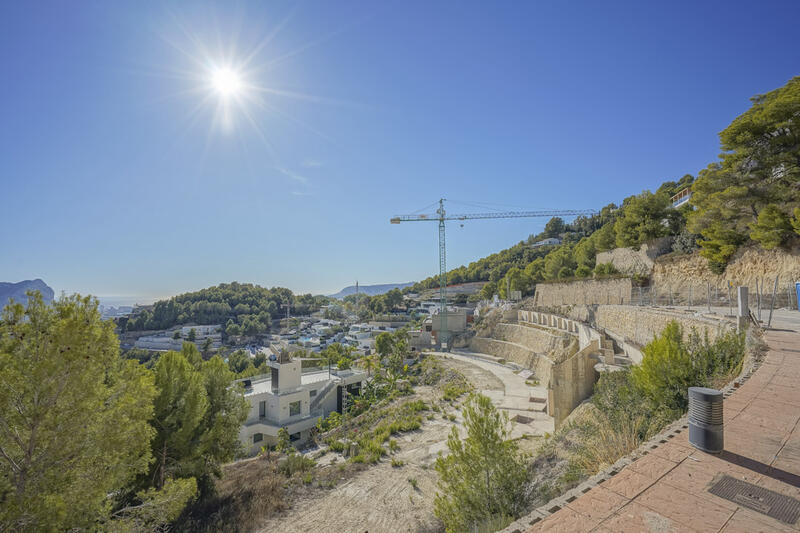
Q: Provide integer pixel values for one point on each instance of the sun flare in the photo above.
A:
(226, 81)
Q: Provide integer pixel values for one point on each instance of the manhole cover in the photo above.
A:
(758, 499)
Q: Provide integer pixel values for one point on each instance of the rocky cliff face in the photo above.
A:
(748, 265)
(641, 261)
(16, 291)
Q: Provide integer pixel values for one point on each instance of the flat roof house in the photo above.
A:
(293, 398)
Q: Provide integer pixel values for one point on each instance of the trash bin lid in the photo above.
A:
(705, 394)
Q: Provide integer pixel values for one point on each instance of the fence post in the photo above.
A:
(772, 302)
(743, 313)
(690, 296)
(758, 298)
(708, 296)
(730, 302)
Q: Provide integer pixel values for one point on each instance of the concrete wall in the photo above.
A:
(571, 382)
(538, 340)
(604, 291)
(540, 364)
(638, 325)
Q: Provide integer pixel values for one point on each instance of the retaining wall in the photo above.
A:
(538, 340)
(640, 324)
(602, 291)
(571, 382)
(540, 364)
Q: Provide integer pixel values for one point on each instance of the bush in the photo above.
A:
(667, 370)
(604, 269)
(296, 463)
(670, 366)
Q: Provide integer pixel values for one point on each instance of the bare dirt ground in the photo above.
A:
(381, 498)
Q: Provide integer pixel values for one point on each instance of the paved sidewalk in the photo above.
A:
(667, 489)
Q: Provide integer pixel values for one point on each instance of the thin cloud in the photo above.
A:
(293, 175)
(311, 163)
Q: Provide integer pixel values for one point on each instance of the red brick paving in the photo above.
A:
(666, 491)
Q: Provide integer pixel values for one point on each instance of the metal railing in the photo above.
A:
(765, 295)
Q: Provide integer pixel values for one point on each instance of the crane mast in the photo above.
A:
(441, 216)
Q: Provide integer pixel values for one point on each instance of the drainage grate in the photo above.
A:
(758, 499)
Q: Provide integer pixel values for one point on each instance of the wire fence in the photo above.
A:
(763, 295)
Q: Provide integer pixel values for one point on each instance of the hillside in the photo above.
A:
(748, 199)
(244, 308)
(17, 291)
(370, 290)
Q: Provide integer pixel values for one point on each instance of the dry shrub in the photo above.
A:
(605, 443)
(248, 493)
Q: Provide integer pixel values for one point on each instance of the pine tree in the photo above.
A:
(74, 416)
(483, 476)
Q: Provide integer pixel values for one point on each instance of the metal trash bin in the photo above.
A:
(705, 419)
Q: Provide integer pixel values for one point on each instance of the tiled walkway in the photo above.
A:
(667, 489)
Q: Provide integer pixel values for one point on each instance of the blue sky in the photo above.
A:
(119, 178)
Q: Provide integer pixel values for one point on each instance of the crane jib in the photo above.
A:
(441, 216)
(509, 214)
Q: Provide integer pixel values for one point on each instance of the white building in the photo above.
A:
(552, 241)
(165, 341)
(291, 398)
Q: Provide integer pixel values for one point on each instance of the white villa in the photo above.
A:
(291, 398)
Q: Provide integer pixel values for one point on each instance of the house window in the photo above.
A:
(294, 437)
(313, 393)
(262, 409)
(258, 437)
(294, 408)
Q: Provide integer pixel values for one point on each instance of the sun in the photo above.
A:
(227, 82)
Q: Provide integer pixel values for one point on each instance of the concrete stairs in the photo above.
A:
(608, 358)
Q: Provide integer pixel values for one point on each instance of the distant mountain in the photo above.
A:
(370, 290)
(17, 291)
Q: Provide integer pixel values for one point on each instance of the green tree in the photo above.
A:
(73, 416)
(642, 219)
(394, 298)
(554, 228)
(370, 363)
(154, 509)
(772, 229)
(759, 168)
(796, 220)
(585, 252)
(605, 238)
(177, 334)
(180, 407)
(233, 330)
(484, 474)
(192, 336)
(384, 343)
(207, 344)
(227, 410)
(238, 360)
(559, 261)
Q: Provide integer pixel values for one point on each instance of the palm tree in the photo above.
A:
(370, 363)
